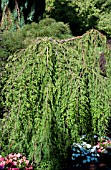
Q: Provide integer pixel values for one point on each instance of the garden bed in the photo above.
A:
(91, 157)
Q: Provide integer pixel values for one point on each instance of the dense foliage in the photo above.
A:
(12, 42)
(16, 13)
(54, 92)
(80, 15)
(54, 89)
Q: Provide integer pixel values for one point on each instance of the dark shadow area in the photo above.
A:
(104, 163)
(109, 129)
(79, 23)
(109, 124)
(32, 9)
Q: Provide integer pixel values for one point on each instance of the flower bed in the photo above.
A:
(85, 153)
(15, 161)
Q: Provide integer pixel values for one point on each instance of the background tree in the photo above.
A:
(82, 15)
(20, 12)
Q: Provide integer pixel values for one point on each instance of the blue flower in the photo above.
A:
(84, 161)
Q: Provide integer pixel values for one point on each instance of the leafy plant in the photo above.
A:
(12, 42)
(53, 93)
(81, 15)
(102, 144)
(15, 162)
(104, 24)
(83, 153)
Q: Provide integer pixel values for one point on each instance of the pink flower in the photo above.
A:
(15, 158)
(29, 168)
(12, 161)
(101, 147)
(15, 163)
(8, 161)
(13, 168)
(99, 150)
(19, 155)
(2, 163)
(24, 158)
(20, 161)
(27, 162)
(11, 156)
(1, 159)
(104, 143)
(14, 154)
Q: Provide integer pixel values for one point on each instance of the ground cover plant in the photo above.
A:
(54, 91)
(15, 161)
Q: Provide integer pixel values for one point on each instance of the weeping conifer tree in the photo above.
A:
(54, 92)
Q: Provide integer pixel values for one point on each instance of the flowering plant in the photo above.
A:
(15, 161)
(83, 153)
(103, 143)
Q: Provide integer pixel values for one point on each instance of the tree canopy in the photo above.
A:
(80, 15)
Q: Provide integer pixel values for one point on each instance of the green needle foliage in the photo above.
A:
(13, 41)
(10, 42)
(53, 93)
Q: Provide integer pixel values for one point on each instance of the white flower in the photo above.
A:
(98, 155)
(88, 146)
(84, 143)
(93, 149)
(83, 136)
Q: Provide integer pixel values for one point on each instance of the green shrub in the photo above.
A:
(13, 41)
(104, 24)
(82, 15)
(53, 93)
(47, 27)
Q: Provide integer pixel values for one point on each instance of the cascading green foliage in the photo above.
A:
(16, 41)
(54, 92)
